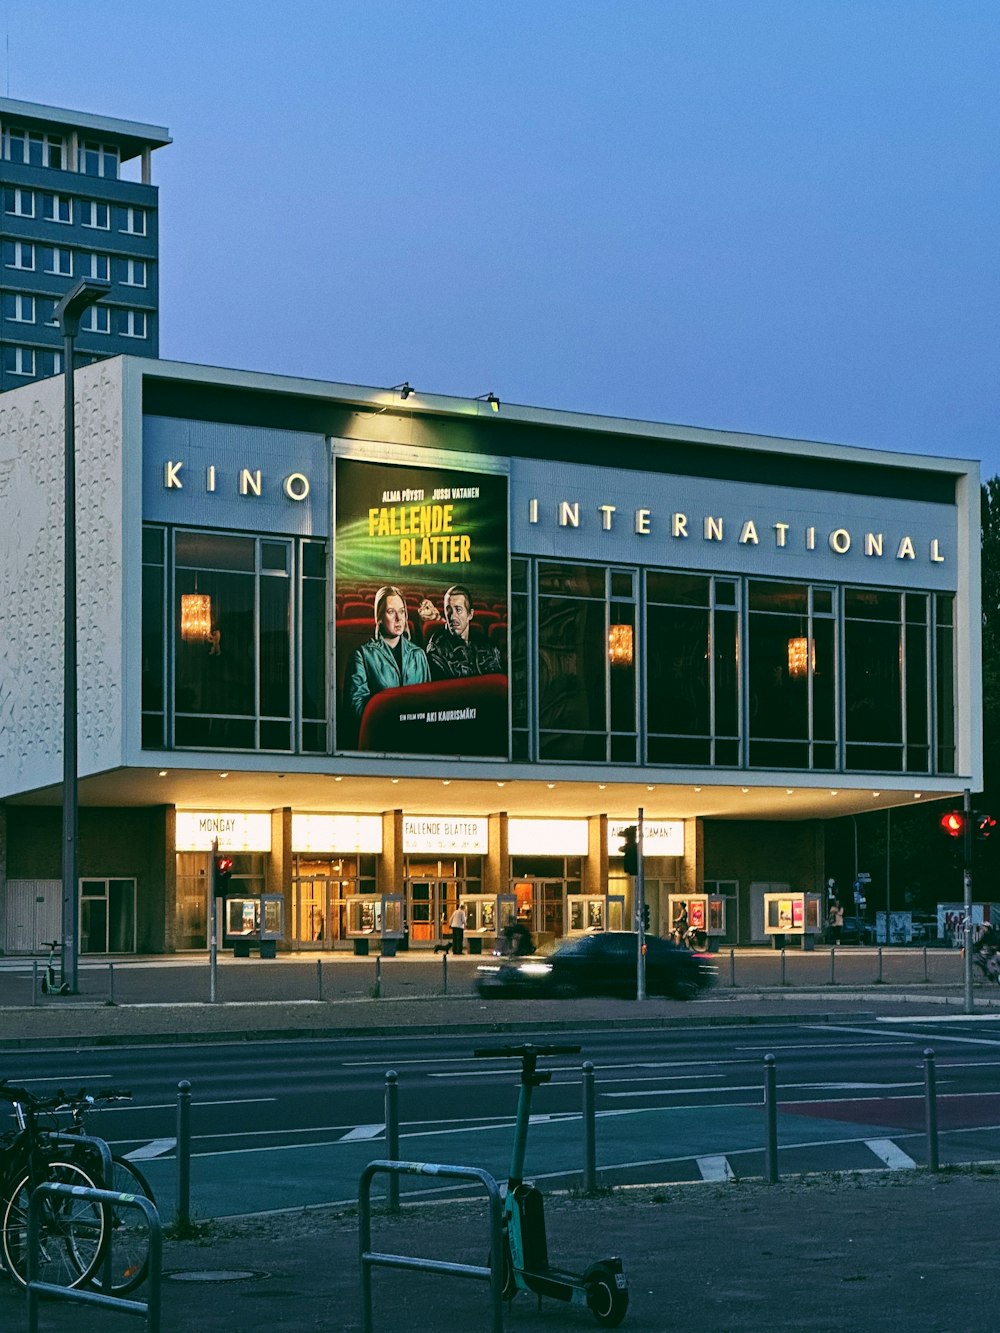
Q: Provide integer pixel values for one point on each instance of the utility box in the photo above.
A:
(794, 914)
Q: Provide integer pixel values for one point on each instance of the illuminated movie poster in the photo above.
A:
(421, 591)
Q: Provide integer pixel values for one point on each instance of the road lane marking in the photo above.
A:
(715, 1168)
(894, 1157)
(915, 1037)
(364, 1132)
(155, 1148)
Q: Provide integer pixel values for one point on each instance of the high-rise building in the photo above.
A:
(77, 201)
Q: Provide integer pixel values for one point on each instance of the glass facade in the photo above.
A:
(608, 664)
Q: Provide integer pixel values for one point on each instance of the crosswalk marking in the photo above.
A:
(891, 1154)
(715, 1168)
(364, 1132)
(154, 1148)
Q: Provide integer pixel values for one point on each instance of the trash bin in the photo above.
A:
(389, 947)
(475, 944)
(360, 948)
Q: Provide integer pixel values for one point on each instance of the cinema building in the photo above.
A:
(744, 637)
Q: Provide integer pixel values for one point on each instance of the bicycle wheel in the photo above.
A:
(70, 1234)
(128, 1231)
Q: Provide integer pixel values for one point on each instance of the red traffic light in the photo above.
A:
(985, 824)
(224, 865)
(953, 823)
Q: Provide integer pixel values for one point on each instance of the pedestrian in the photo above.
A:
(835, 921)
(457, 923)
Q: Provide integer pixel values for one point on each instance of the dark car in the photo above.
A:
(603, 963)
(857, 931)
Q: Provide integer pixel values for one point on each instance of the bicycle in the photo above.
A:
(72, 1230)
(129, 1231)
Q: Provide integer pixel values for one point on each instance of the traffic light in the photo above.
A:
(985, 824)
(630, 850)
(222, 873)
(645, 916)
(953, 823)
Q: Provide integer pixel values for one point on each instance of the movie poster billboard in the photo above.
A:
(421, 595)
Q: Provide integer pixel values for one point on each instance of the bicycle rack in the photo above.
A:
(149, 1310)
(92, 1144)
(370, 1259)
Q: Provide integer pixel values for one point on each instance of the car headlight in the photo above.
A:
(535, 969)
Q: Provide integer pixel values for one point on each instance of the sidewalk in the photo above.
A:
(873, 1253)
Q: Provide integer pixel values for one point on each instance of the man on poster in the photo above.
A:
(451, 653)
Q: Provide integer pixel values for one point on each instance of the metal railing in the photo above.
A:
(148, 1310)
(369, 1258)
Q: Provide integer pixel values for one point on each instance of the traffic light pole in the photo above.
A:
(967, 900)
(640, 914)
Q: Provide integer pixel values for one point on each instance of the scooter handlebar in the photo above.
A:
(518, 1052)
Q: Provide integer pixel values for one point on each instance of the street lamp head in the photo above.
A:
(78, 299)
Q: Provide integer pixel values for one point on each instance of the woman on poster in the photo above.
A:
(389, 659)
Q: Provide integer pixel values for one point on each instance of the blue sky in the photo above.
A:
(766, 215)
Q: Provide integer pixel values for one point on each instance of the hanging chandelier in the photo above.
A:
(196, 617)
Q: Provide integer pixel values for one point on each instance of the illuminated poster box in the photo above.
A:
(422, 610)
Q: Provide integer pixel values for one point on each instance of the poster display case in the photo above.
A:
(375, 916)
(795, 914)
(255, 921)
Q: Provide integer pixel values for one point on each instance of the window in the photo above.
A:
(19, 361)
(132, 323)
(19, 202)
(94, 214)
(20, 309)
(32, 149)
(95, 266)
(692, 678)
(133, 272)
(133, 221)
(47, 307)
(97, 319)
(57, 259)
(18, 254)
(57, 208)
(98, 159)
(222, 609)
(49, 363)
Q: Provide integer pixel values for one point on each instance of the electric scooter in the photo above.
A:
(49, 984)
(603, 1287)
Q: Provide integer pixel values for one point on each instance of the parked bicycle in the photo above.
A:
(72, 1229)
(129, 1231)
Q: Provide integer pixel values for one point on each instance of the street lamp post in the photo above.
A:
(68, 313)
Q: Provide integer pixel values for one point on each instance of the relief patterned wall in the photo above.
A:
(31, 577)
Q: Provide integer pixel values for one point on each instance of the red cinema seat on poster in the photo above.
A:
(454, 717)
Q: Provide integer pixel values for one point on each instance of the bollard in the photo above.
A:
(184, 1154)
(926, 977)
(34, 982)
(589, 1136)
(392, 1137)
(783, 982)
(930, 1109)
(319, 978)
(444, 973)
(878, 979)
(771, 1117)
(111, 983)
(833, 965)
(377, 989)
(732, 967)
